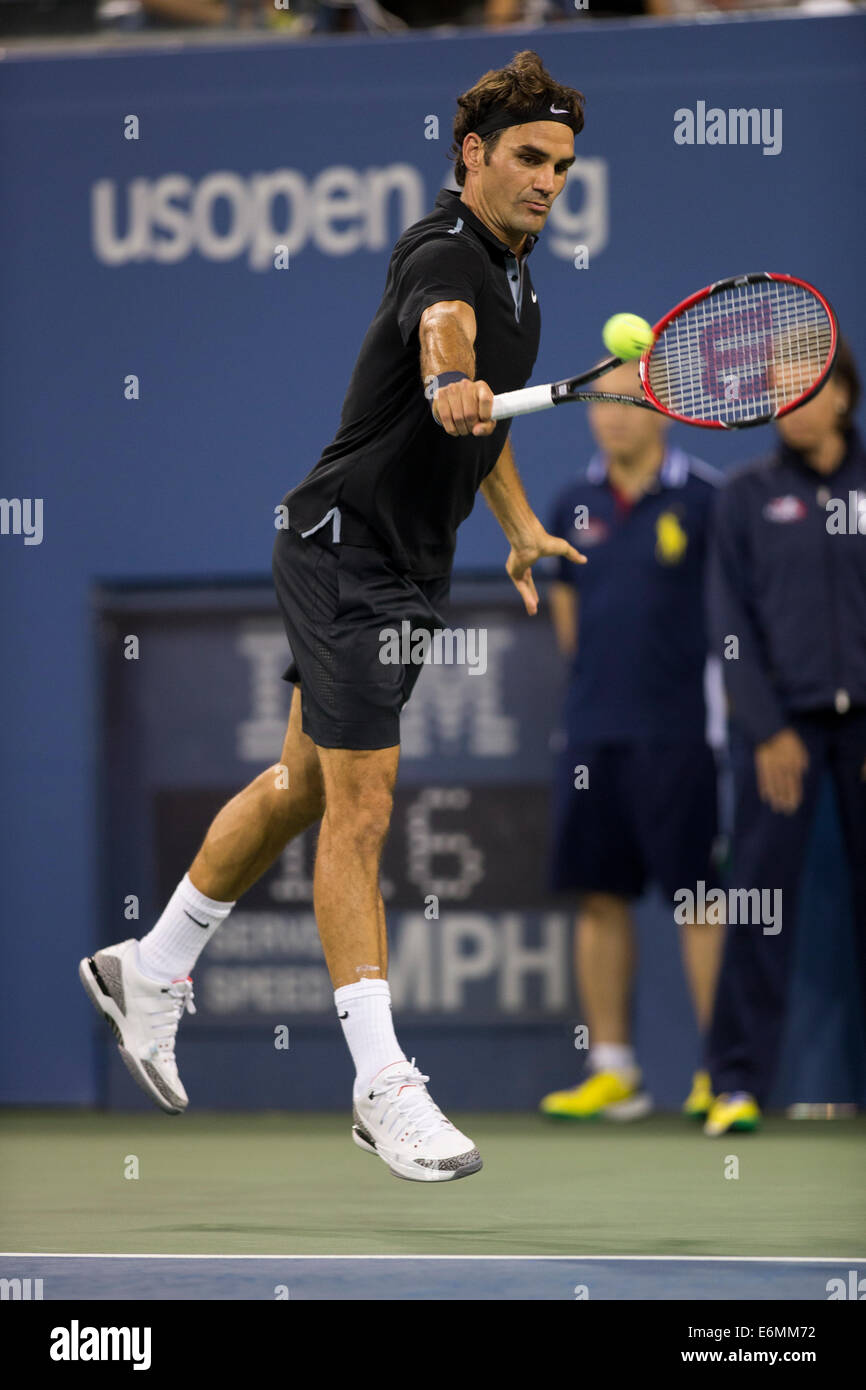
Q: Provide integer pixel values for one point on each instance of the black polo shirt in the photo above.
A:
(400, 482)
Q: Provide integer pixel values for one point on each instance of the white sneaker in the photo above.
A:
(143, 1014)
(397, 1119)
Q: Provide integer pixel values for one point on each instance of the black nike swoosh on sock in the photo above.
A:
(345, 1015)
(206, 925)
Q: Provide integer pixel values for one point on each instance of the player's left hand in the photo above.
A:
(518, 565)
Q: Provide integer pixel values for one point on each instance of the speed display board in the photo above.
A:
(200, 709)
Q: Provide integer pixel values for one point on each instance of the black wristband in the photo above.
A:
(434, 383)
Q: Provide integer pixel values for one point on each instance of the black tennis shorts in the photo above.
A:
(336, 600)
(647, 814)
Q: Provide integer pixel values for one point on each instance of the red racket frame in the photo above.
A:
(706, 293)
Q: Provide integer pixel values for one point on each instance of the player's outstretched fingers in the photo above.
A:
(528, 592)
(563, 548)
(520, 574)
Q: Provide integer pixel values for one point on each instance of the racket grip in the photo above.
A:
(524, 402)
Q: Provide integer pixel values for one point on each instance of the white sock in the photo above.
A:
(612, 1057)
(172, 947)
(364, 1010)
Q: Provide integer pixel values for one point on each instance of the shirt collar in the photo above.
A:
(791, 457)
(450, 201)
(673, 472)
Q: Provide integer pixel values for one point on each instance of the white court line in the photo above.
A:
(732, 1259)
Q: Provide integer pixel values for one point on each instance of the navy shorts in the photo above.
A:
(649, 814)
(335, 600)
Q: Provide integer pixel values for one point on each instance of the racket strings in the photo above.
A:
(741, 354)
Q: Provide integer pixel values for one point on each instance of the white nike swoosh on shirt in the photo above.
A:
(534, 297)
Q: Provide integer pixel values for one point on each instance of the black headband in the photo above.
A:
(501, 119)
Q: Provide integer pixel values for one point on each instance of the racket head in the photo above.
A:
(741, 352)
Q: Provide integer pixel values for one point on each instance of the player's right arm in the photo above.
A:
(446, 334)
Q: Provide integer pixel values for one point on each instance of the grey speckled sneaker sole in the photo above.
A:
(419, 1169)
(102, 977)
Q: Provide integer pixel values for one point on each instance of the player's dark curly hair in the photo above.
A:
(845, 370)
(521, 88)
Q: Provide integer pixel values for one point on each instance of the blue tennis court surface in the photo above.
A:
(426, 1278)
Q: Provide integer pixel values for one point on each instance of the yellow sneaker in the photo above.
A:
(732, 1110)
(609, 1095)
(699, 1101)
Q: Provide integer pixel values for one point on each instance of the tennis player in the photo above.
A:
(369, 544)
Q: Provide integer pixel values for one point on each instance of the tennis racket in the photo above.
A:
(741, 352)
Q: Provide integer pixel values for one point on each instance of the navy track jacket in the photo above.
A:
(787, 579)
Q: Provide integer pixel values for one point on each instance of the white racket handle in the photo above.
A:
(524, 402)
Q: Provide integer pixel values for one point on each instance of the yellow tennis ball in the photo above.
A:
(627, 336)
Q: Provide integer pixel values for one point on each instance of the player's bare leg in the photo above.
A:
(604, 959)
(394, 1115)
(253, 829)
(604, 964)
(142, 987)
(702, 944)
(359, 793)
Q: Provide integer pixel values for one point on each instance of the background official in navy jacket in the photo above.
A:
(787, 592)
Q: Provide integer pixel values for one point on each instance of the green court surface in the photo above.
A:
(296, 1184)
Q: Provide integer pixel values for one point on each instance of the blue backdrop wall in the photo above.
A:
(154, 256)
